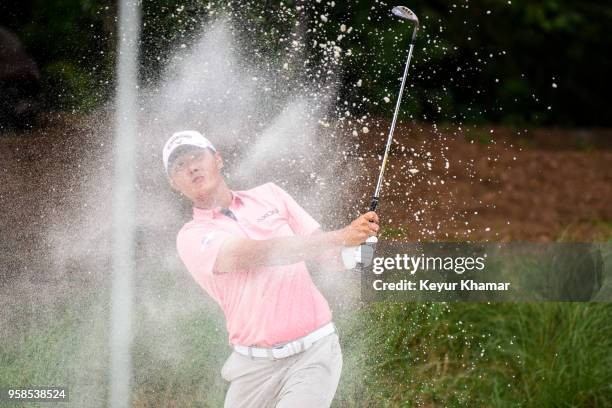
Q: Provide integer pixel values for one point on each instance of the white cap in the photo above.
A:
(184, 137)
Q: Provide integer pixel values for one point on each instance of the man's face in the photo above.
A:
(196, 173)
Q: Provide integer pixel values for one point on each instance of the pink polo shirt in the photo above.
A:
(263, 306)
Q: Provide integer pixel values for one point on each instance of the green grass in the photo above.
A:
(471, 354)
(596, 230)
(65, 347)
(191, 378)
(176, 361)
(395, 355)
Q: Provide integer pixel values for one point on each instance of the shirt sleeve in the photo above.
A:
(198, 248)
(299, 220)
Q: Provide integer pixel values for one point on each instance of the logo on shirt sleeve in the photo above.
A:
(206, 240)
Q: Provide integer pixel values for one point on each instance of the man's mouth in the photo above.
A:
(197, 179)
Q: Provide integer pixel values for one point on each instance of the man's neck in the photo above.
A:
(221, 198)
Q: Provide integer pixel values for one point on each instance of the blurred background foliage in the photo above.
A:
(519, 62)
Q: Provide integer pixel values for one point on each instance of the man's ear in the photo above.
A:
(219, 160)
(174, 187)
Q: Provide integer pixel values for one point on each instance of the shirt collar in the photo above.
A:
(203, 214)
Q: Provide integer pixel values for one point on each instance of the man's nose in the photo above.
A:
(193, 165)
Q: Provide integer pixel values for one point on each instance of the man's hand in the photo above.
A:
(365, 226)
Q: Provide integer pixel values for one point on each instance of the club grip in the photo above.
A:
(374, 204)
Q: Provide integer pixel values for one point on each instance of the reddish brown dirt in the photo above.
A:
(40, 178)
(557, 187)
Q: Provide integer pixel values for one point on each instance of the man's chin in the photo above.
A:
(204, 194)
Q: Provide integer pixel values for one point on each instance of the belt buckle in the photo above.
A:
(293, 348)
(271, 351)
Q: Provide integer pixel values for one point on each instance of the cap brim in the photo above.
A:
(182, 150)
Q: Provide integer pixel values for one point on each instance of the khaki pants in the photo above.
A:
(308, 379)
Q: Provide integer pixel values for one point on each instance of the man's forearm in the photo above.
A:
(242, 253)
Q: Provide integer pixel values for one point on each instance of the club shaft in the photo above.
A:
(374, 203)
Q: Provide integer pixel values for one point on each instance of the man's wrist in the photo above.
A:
(337, 238)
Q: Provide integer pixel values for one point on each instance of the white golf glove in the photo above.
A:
(363, 253)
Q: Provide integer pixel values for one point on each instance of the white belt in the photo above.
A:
(287, 349)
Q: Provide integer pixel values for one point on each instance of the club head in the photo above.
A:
(405, 13)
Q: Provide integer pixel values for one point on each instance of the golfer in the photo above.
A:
(247, 249)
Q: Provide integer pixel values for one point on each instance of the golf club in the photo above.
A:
(406, 14)
(357, 256)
